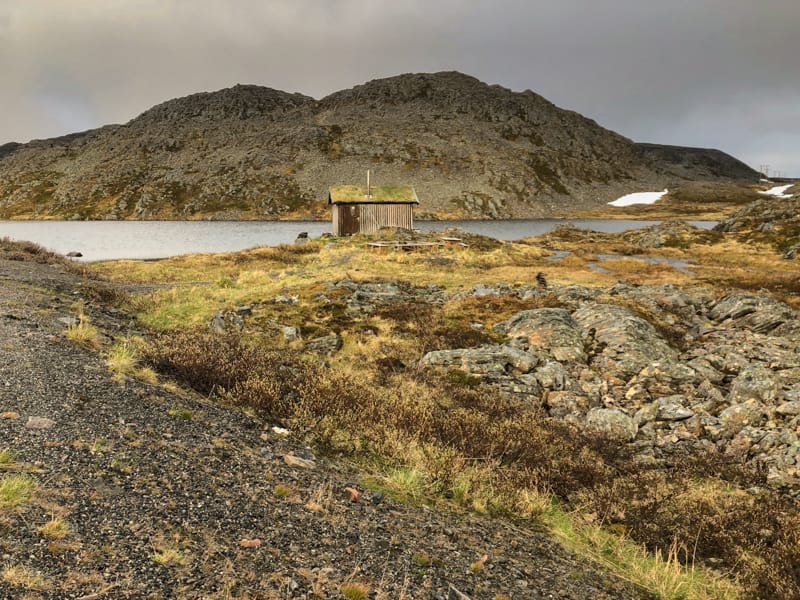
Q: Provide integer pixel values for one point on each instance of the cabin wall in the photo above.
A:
(349, 219)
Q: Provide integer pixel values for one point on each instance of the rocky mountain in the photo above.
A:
(470, 149)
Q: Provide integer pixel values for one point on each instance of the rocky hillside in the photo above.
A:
(775, 221)
(470, 149)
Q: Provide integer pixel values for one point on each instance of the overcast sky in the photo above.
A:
(711, 73)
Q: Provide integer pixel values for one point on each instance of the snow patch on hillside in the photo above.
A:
(638, 198)
(777, 191)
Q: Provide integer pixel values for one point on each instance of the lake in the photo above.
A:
(108, 240)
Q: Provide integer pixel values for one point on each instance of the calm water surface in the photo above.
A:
(107, 240)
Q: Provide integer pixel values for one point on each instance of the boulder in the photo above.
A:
(491, 360)
(738, 416)
(552, 330)
(625, 342)
(611, 423)
(754, 383)
(760, 313)
(327, 345)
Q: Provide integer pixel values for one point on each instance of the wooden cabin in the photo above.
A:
(357, 209)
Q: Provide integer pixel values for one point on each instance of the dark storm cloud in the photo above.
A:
(718, 73)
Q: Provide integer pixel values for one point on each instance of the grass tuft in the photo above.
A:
(84, 333)
(15, 491)
(355, 591)
(55, 529)
(170, 557)
(7, 457)
(123, 358)
(24, 577)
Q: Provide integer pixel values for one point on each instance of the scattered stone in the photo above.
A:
(280, 431)
(245, 310)
(355, 495)
(671, 408)
(69, 321)
(10, 415)
(293, 299)
(250, 543)
(327, 345)
(298, 462)
(39, 423)
(736, 417)
(74, 254)
(454, 594)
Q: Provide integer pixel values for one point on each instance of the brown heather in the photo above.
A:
(692, 507)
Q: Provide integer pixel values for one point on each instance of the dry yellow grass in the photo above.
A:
(55, 529)
(201, 285)
(24, 577)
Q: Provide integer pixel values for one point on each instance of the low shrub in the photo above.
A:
(482, 449)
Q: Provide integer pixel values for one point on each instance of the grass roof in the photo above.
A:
(400, 194)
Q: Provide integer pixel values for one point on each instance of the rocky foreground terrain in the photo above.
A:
(720, 373)
(138, 492)
(470, 149)
(666, 414)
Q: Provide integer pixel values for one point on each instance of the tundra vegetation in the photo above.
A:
(705, 526)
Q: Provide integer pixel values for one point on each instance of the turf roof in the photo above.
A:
(380, 194)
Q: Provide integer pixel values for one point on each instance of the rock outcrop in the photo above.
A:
(775, 221)
(731, 384)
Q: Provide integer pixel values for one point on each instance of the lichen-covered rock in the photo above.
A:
(759, 313)
(552, 375)
(494, 360)
(671, 408)
(754, 383)
(326, 345)
(624, 342)
(551, 330)
(611, 423)
(737, 416)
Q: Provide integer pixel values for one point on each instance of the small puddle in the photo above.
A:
(558, 255)
(679, 264)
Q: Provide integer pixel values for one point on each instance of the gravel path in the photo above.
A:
(171, 496)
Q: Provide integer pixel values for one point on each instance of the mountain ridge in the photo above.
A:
(471, 150)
